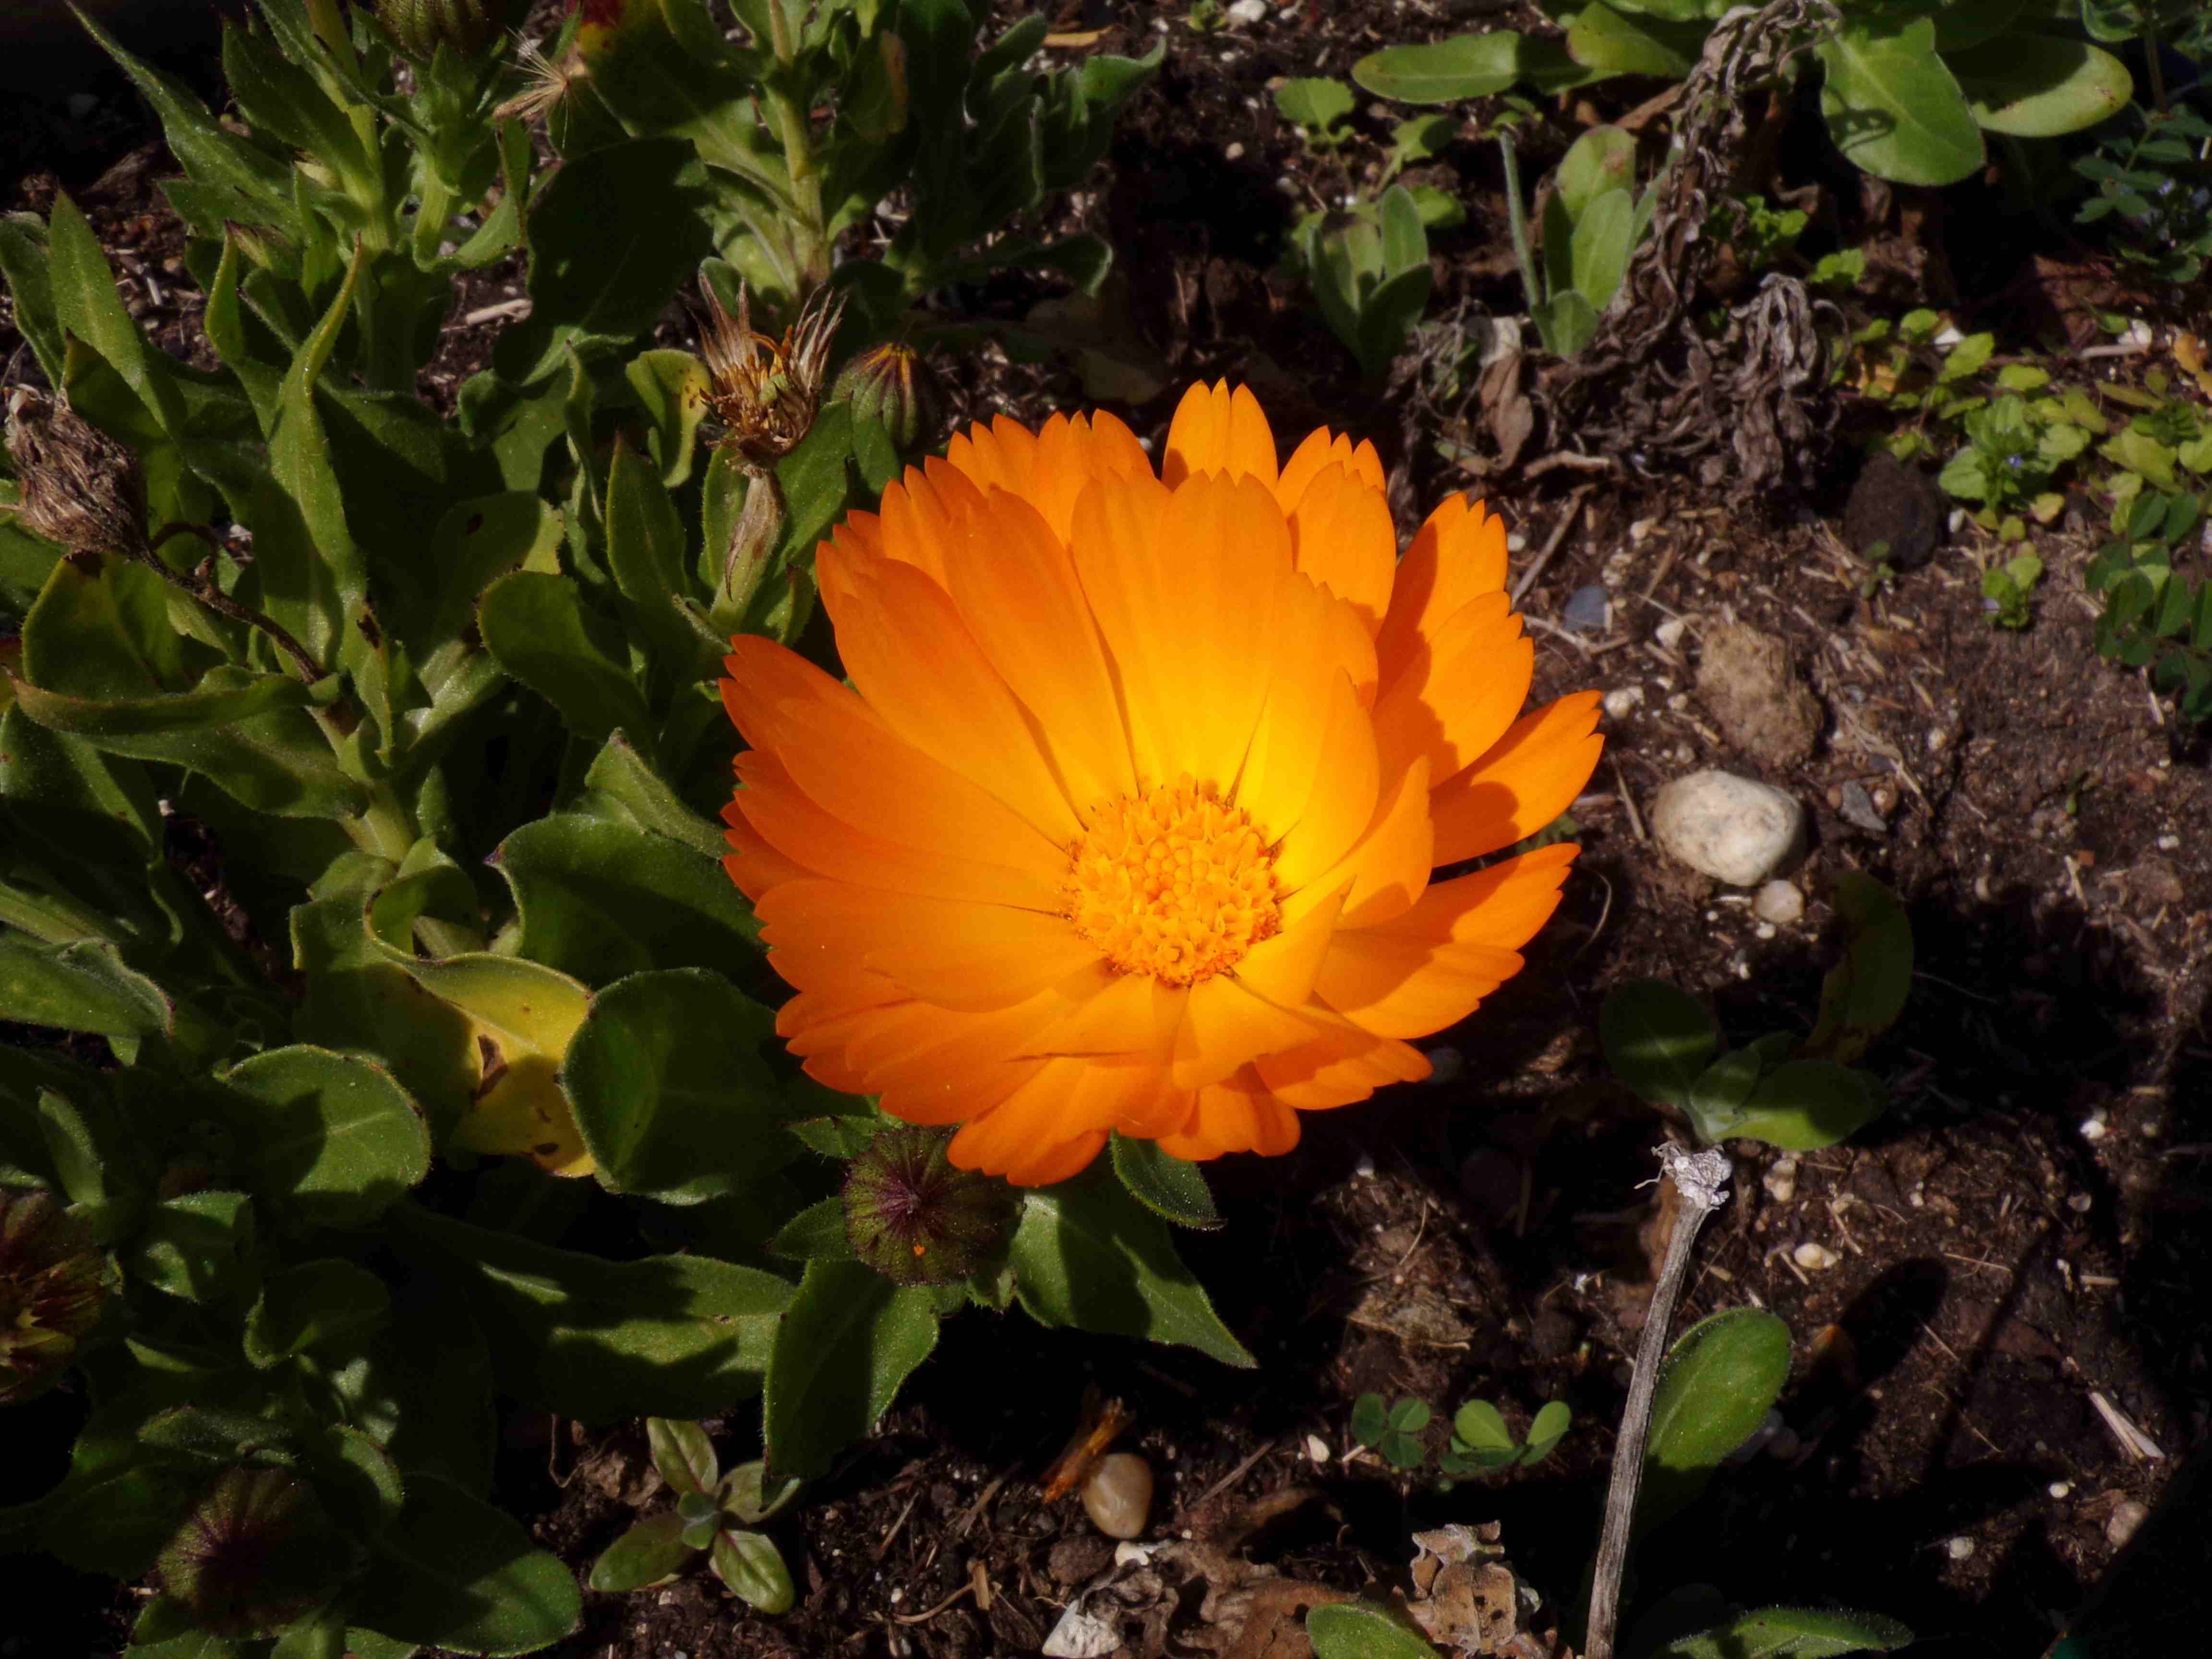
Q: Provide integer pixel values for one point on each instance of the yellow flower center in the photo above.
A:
(1173, 882)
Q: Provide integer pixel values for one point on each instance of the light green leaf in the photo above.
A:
(458, 1574)
(1164, 1184)
(752, 1567)
(1892, 107)
(1802, 1105)
(1609, 43)
(1315, 104)
(1657, 1039)
(1722, 1376)
(83, 986)
(1791, 1633)
(330, 1139)
(1088, 1254)
(669, 387)
(1863, 994)
(817, 1233)
(662, 1336)
(2038, 86)
(1356, 1631)
(850, 1338)
(620, 775)
(1466, 66)
(683, 1454)
(670, 1088)
(23, 268)
(1547, 1429)
(1481, 1426)
(1602, 160)
(1716, 1099)
(1603, 238)
(87, 306)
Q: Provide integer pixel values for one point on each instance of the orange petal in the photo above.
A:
(1216, 429)
(1458, 692)
(1346, 777)
(1019, 594)
(1236, 1115)
(1300, 671)
(1344, 1065)
(1024, 1134)
(1050, 471)
(1342, 536)
(1282, 969)
(921, 671)
(922, 513)
(954, 955)
(1455, 558)
(1389, 869)
(756, 866)
(1226, 1026)
(1131, 1014)
(1526, 780)
(1321, 448)
(839, 754)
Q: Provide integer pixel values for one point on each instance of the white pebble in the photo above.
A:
(1780, 903)
(1959, 1548)
(1781, 1181)
(2093, 1128)
(2060, 1488)
(1316, 1448)
(1248, 11)
(1669, 632)
(2168, 843)
(1814, 1258)
(1617, 704)
(1727, 827)
(2127, 1520)
(1234, 153)
(1516, 542)
(1764, 930)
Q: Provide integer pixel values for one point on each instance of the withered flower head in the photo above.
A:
(546, 82)
(257, 1551)
(50, 1290)
(763, 391)
(916, 1218)
(80, 487)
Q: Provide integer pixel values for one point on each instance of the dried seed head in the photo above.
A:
(764, 391)
(257, 1551)
(80, 487)
(50, 1290)
(546, 82)
(916, 1218)
(891, 384)
(419, 27)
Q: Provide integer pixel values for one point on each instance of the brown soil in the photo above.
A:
(2021, 1232)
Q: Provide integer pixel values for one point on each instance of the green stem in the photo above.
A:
(1516, 218)
(812, 243)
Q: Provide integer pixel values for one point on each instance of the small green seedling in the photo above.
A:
(1393, 1431)
(1368, 264)
(1206, 17)
(1591, 225)
(1799, 1095)
(1480, 1443)
(2008, 587)
(1318, 107)
(2155, 617)
(713, 1513)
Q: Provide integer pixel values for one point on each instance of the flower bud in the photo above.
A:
(80, 487)
(257, 1551)
(891, 384)
(419, 27)
(50, 1290)
(916, 1218)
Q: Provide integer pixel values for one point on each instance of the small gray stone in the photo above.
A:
(1729, 828)
(1860, 811)
(2127, 1518)
(1589, 611)
(1779, 902)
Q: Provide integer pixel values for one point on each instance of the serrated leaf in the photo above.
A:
(847, 1340)
(1088, 1254)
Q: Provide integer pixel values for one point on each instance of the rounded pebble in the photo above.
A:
(1959, 1548)
(1780, 903)
(1729, 828)
(1620, 703)
(1117, 1494)
(1814, 1258)
(1248, 11)
(1781, 1181)
(1669, 632)
(2126, 1521)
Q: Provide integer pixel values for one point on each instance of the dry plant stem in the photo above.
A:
(201, 585)
(1701, 1184)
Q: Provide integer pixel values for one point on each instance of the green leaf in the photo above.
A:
(1609, 43)
(620, 776)
(1892, 107)
(747, 1494)
(1566, 322)
(87, 306)
(646, 551)
(1657, 1040)
(456, 1573)
(603, 1341)
(1804, 1105)
(538, 628)
(1166, 1185)
(2038, 86)
(1315, 103)
(841, 1135)
(848, 1340)
(198, 1248)
(1598, 251)
(82, 987)
(1546, 1429)
(1717, 1098)
(310, 1304)
(752, 1567)
(23, 268)
(668, 385)
(1791, 1633)
(1088, 1254)
(683, 1454)
(330, 1139)
(1481, 1426)
(1602, 160)
(601, 900)
(651, 1552)
(817, 1233)
(1863, 994)
(1355, 1631)
(1370, 1419)
(670, 1090)
(1722, 1376)
(1466, 66)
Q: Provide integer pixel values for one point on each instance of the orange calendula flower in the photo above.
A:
(1127, 819)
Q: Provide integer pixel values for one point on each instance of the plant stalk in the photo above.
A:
(1700, 1181)
(1516, 218)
